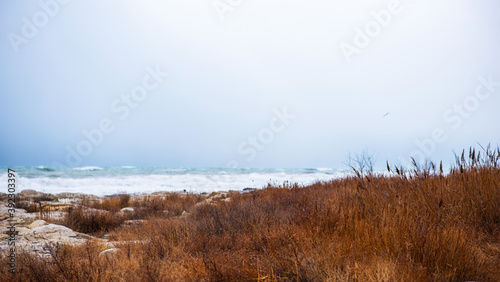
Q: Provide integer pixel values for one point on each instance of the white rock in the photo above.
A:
(109, 252)
(37, 223)
(127, 210)
(52, 229)
(51, 232)
(134, 221)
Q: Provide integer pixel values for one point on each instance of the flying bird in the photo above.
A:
(386, 114)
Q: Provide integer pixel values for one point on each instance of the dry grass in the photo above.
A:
(29, 206)
(95, 222)
(114, 203)
(170, 205)
(419, 225)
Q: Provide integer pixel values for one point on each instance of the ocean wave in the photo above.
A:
(151, 181)
(177, 169)
(127, 166)
(88, 168)
(43, 168)
(324, 169)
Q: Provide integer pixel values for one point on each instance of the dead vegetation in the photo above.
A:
(420, 224)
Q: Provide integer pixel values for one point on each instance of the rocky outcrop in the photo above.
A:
(32, 195)
(39, 237)
(53, 233)
(20, 215)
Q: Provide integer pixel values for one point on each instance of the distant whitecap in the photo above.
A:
(43, 168)
(88, 168)
(324, 169)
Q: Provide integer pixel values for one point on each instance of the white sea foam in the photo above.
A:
(88, 168)
(324, 169)
(195, 182)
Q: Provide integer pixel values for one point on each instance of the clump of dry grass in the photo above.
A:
(89, 221)
(170, 205)
(113, 203)
(417, 225)
(29, 206)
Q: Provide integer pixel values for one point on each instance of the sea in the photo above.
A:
(103, 181)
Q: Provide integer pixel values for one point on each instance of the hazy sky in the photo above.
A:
(250, 83)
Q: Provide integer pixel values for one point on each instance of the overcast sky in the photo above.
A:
(250, 83)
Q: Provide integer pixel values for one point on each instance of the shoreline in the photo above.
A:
(108, 181)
